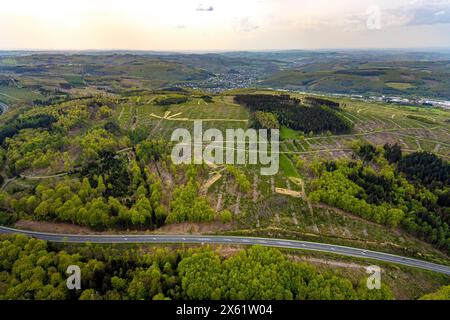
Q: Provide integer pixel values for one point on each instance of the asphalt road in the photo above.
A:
(231, 240)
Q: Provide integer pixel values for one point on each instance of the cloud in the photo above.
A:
(429, 15)
(421, 13)
(202, 7)
(416, 13)
(246, 25)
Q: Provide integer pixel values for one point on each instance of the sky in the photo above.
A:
(223, 25)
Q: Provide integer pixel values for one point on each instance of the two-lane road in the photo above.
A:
(232, 240)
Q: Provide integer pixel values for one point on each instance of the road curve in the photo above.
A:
(233, 240)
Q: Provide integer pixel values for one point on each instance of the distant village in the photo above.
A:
(235, 79)
(248, 78)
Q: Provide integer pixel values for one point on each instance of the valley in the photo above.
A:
(86, 152)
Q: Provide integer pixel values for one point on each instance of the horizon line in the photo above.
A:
(182, 51)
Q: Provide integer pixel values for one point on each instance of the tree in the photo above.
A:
(426, 169)
(118, 284)
(89, 294)
(187, 205)
(137, 217)
(160, 215)
(367, 152)
(394, 217)
(98, 212)
(290, 112)
(136, 175)
(85, 191)
(145, 283)
(266, 120)
(113, 127)
(141, 213)
(101, 188)
(95, 142)
(226, 216)
(392, 153)
(31, 270)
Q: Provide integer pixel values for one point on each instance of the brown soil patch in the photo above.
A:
(194, 228)
(228, 251)
(53, 227)
(339, 211)
(332, 263)
(67, 228)
(209, 183)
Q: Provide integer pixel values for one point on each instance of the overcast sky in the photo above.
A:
(210, 25)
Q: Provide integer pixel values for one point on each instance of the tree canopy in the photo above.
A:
(32, 270)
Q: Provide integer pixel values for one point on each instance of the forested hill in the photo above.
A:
(411, 192)
(317, 117)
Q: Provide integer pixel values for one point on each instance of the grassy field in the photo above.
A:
(378, 123)
(115, 73)
(288, 167)
(399, 85)
(163, 120)
(413, 128)
(288, 134)
(12, 95)
(425, 78)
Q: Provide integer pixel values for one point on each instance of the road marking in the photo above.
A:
(322, 247)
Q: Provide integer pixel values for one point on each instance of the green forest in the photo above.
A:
(106, 178)
(318, 117)
(389, 188)
(32, 269)
(102, 165)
